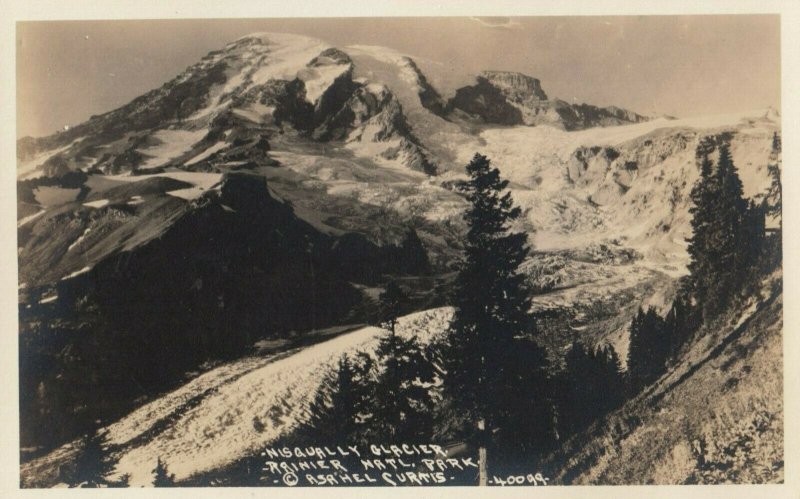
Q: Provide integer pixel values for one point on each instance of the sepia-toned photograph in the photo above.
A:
(319, 252)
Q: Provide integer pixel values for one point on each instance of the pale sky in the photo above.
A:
(677, 65)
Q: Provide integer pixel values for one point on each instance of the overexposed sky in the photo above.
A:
(678, 65)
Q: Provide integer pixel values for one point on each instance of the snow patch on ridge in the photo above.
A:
(208, 152)
(287, 55)
(80, 239)
(388, 56)
(77, 273)
(29, 169)
(100, 203)
(201, 182)
(30, 218)
(318, 79)
(173, 143)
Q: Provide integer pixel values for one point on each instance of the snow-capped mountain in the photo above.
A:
(280, 164)
(358, 123)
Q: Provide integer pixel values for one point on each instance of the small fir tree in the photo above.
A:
(340, 412)
(162, 477)
(93, 464)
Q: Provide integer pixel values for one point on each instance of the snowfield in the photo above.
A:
(287, 54)
(208, 152)
(209, 422)
(171, 144)
(201, 182)
(100, 203)
(30, 168)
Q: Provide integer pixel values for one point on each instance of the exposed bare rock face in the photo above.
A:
(510, 98)
(517, 87)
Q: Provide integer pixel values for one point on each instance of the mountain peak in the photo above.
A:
(512, 82)
(271, 81)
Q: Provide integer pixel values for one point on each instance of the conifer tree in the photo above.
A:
(701, 249)
(492, 301)
(593, 385)
(339, 413)
(637, 351)
(523, 423)
(722, 243)
(729, 237)
(162, 476)
(679, 325)
(392, 303)
(612, 377)
(754, 230)
(93, 465)
(576, 406)
(648, 349)
(402, 399)
(774, 198)
(403, 404)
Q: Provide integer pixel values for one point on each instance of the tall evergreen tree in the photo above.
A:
(731, 208)
(679, 325)
(728, 235)
(648, 349)
(612, 376)
(724, 232)
(402, 399)
(593, 384)
(701, 250)
(523, 423)
(754, 230)
(577, 406)
(403, 403)
(492, 303)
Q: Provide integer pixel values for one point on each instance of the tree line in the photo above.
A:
(729, 249)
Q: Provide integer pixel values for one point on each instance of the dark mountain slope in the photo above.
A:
(228, 269)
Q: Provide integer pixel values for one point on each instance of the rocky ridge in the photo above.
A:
(510, 98)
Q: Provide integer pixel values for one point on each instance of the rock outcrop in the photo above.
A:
(510, 98)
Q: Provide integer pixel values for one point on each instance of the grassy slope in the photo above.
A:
(715, 417)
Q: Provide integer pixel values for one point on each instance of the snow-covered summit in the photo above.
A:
(278, 98)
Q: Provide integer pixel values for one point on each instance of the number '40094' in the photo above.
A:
(529, 479)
